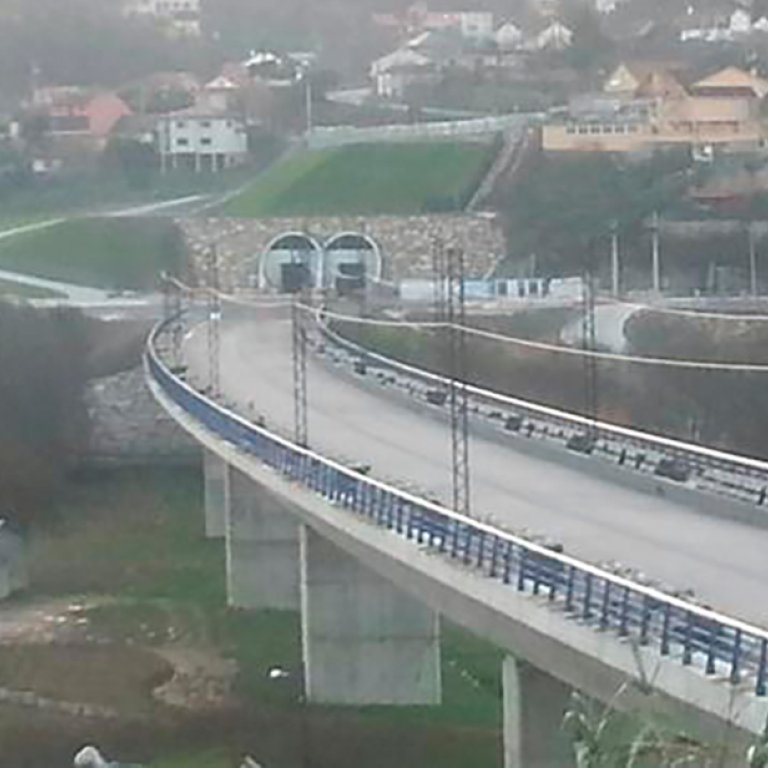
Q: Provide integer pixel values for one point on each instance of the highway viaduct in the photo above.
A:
(373, 568)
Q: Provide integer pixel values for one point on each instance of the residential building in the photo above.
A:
(219, 95)
(201, 140)
(509, 37)
(555, 36)
(394, 73)
(637, 113)
(181, 18)
(76, 125)
(474, 26)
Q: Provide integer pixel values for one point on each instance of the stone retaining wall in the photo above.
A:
(128, 426)
(405, 241)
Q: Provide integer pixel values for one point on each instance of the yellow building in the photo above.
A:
(642, 109)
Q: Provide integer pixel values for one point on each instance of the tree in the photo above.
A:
(565, 205)
(43, 420)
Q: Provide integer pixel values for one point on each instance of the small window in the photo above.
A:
(182, 142)
(205, 123)
(570, 129)
(607, 129)
(619, 129)
(594, 129)
(206, 141)
(181, 124)
(583, 129)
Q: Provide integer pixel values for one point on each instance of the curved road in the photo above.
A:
(724, 562)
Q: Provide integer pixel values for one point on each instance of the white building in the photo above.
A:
(555, 37)
(180, 17)
(509, 36)
(393, 73)
(201, 141)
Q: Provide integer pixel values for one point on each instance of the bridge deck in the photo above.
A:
(723, 561)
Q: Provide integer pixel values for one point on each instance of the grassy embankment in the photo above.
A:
(133, 542)
(368, 179)
(109, 253)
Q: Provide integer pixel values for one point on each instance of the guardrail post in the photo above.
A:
(687, 650)
(665, 629)
(760, 687)
(606, 605)
(494, 556)
(736, 659)
(569, 588)
(712, 648)
(623, 629)
(587, 612)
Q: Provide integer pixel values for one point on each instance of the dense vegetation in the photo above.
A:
(109, 253)
(43, 422)
(368, 179)
(564, 207)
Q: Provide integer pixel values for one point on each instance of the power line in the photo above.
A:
(299, 357)
(559, 348)
(459, 396)
(213, 304)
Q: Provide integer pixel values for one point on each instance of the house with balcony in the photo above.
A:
(639, 111)
(201, 140)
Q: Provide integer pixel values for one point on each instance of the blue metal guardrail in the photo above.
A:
(699, 458)
(596, 598)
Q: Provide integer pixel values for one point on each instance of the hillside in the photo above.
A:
(368, 179)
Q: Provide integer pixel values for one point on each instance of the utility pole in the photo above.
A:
(655, 254)
(299, 354)
(438, 277)
(213, 301)
(752, 260)
(615, 266)
(588, 343)
(459, 398)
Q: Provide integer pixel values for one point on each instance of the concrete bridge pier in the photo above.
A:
(262, 545)
(534, 706)
(216, 483)
(365, 642)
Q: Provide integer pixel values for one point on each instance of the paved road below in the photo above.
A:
(724, 562)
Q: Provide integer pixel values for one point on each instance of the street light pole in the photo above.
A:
(308, 97)
(655, 255)
(615, 266)
(752, 260)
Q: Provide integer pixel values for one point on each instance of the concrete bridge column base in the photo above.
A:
(534, 706)
(365, 642)
(216, 480)
(262, 548)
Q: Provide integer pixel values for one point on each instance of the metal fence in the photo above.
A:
(628, 446)
(698, 637)
(337, 136)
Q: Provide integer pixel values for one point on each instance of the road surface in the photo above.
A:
(724, 562)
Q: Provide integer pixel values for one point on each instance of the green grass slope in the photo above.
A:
(368, 179)
(109, 253)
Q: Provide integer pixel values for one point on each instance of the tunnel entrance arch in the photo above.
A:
(291, 261)
(351, 258)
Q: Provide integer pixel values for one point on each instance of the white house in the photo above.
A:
(740, 22)
(393, 73)
(218, 95)
(509, 36)
(201, 140)
(180, 17)
(555, 37)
